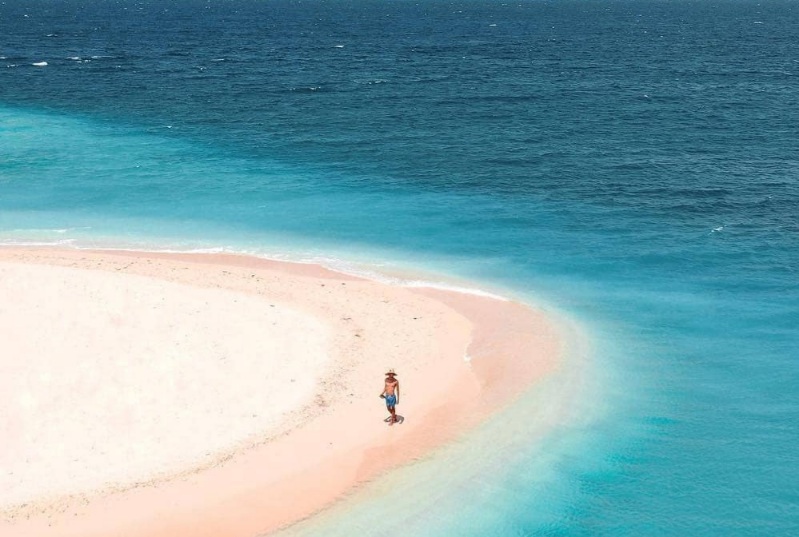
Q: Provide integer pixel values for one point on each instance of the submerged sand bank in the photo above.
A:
(186, 394)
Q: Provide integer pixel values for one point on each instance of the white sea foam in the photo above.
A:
(373, 272)
(39, 64)
(211, 250)
(24, 242)
(378, 272)
(455, 289)
(48, 230)
(42, 237)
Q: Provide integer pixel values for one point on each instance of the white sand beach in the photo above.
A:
(195, 394)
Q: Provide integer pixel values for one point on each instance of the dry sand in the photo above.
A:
(216, 395)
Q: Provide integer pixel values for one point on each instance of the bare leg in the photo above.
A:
(393, 415)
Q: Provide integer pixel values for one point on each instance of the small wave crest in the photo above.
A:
(306, 89)
(32, 243)
(42, 237)
(372, 82)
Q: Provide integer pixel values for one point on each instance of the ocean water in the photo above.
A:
(631, 165)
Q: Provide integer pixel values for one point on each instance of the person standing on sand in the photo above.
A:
(391, 394)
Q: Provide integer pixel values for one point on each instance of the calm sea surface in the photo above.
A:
(633, 165)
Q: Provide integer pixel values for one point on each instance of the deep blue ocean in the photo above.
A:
(631, 165)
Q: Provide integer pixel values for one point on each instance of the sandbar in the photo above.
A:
(161, 394)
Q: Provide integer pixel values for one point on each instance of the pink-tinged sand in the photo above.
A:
(459, 357)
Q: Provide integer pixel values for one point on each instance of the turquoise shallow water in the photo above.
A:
(630, 165)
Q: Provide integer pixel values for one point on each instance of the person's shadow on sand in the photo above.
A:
(400, 419)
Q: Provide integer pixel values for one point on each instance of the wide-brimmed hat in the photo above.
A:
(391, 372)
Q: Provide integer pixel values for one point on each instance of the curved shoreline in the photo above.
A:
(270, 484)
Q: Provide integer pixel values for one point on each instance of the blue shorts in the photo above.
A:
(391, 400)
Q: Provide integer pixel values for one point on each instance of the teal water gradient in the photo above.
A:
(630, 165)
